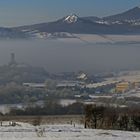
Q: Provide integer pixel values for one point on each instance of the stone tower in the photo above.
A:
(12, 60)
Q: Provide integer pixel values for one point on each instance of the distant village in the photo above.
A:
(114, 88)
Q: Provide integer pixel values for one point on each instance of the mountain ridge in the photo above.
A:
(127, 22)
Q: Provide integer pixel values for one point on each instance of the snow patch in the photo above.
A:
(71, 18)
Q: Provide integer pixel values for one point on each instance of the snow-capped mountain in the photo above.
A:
(130, 15)
(124, 23)
(71, 18)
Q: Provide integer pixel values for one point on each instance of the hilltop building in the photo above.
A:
(82, 76)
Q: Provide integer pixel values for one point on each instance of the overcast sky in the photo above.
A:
(22, 12)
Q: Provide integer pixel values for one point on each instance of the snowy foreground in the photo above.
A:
(62, 132)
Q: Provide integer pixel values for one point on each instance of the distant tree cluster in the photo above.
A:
(21, 74)
(99, 117)
(50, 108)
(13, 93)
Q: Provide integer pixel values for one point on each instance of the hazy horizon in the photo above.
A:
(58, 56)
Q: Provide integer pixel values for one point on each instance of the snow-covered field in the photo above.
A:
(62, 132)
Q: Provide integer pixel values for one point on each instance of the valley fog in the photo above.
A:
(66, 56)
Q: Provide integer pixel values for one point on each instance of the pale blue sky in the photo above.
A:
(22, 12)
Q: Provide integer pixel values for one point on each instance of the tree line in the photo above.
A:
(99, 117)
(49, 108)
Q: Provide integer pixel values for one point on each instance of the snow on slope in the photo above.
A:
(62, 132)
(109, 38)
(102, 39)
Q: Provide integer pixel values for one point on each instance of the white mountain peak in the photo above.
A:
(71, 18)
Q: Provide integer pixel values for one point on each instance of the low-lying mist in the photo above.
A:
(61, 56)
